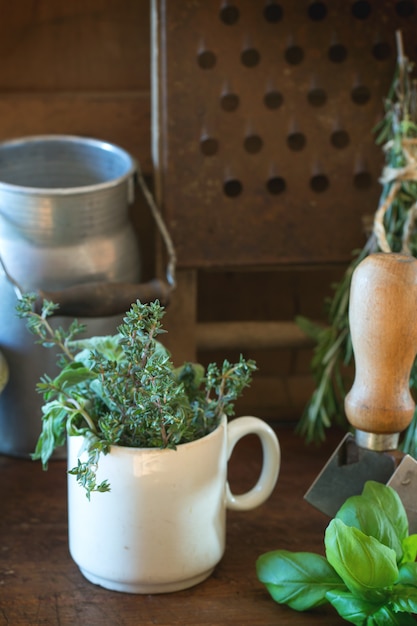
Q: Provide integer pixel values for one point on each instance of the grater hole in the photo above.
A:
(319, 183)
(362, 180)
(206, 59)
(276, 185)
(232, 188)
(273, 100)
(317, 97)
(337, 53)
(229, 102)
(381, 51)
(361, 9)
(250, 57)
(340, 139)
(294, 55)
(296, 141)
(405, 8)
(253, 144)
(273, 13)
(317, 11)
(360, 94)
(209, 146)
(229, 15)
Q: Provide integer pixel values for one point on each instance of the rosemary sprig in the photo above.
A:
(394, 231)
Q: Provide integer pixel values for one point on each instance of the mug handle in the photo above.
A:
(238, 428)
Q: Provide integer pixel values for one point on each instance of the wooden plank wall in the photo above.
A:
(77, 67)
(83, 67)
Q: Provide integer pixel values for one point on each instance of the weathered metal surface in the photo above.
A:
(263, 120)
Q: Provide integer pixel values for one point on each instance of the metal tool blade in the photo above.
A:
(345, 474)
(404, 481)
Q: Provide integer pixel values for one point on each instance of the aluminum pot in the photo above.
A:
(64, 221)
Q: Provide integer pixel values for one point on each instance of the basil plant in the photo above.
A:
(369, 571)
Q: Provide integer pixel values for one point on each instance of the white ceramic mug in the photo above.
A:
(162, 527)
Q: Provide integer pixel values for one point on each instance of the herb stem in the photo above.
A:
(82, 411)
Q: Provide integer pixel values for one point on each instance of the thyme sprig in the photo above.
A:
(124, 389)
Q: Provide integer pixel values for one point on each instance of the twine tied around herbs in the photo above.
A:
(395, 176)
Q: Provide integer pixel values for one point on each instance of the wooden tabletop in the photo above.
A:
(40, 584)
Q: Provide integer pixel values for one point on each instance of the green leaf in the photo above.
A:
(298, 579)
(385, 616)
(107, 345)
(407, 574)
(53, 432)
(311, 329)
(365, 564)
(96, 387)
(362, 612)
(387, 498)
(409, 545)
(72, 375)
(379, 513)
(404, 597)
(351, 608)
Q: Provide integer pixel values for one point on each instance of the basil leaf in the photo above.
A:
(407, 574)
(298, 579)
(409, 545)
(351, 608)
(387, 617)
(365, 564)
(379, 513)
(403, 598)
(362, 612)
(388, 499)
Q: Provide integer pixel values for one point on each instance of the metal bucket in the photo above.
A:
(63, 222)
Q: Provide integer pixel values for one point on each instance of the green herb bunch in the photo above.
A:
(124, 389)
(369, 571)
(394, 231)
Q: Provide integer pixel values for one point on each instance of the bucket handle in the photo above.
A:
(166, 237)
(101, 299)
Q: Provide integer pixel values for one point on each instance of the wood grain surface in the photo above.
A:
(40, 584)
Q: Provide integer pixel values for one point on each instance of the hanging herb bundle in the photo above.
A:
(394, 230)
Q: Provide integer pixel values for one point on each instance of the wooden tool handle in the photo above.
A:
(383, 326)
